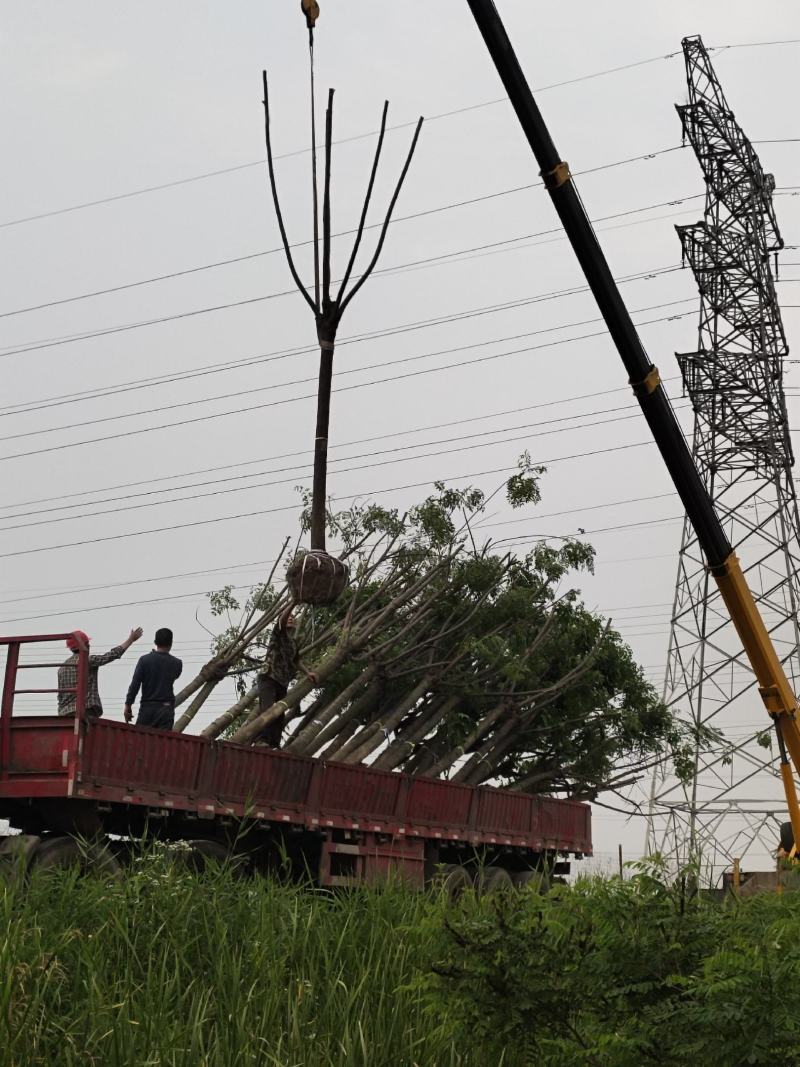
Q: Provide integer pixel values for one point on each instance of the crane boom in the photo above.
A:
(774, 687)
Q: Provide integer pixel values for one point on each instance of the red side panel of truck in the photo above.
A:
(111, 763)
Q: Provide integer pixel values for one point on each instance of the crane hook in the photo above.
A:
(310, 9)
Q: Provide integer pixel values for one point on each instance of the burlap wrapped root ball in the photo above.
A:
(315, 577)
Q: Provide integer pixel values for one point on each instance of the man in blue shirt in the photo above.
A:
(155, 674)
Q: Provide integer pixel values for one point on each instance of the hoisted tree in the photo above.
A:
(445, 657)
(316, 577)
(431, 653)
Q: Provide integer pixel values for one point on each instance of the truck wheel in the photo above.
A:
(494, 880)
(787, 837)
(59, 852)
(454, 879)
(16, 852)
(205, 853)
(535, 881)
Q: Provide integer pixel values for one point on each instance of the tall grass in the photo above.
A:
(174, 969)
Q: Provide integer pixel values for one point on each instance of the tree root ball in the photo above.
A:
(316, 578)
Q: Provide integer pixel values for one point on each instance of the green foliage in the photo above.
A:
(183, 970)
(605, 725)
(167, 967)
(523, 487)
(617, 974)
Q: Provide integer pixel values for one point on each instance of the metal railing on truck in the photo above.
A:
(10, 690)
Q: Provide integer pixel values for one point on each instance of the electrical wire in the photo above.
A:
(310, 396)
(362, 136)
(299, 470)
(196, 524)
(302, 151)
(344, 444)
(66, 339)
(343, 233)
(286, 353)
(250, 390)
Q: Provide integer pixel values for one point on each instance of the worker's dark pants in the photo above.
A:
(268, 692)
(156, 714)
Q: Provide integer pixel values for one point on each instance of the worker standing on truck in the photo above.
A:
(281, 664)
(68, 673)
(155, 674)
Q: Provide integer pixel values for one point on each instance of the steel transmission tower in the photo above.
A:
(742, 447)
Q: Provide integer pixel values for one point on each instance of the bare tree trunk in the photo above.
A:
(194, 707)
(304, 741)
(346, 725)
(401, 748)
(428, 753)
(377, 732)
(483, 727)
(480, 765)
(324, 669)
(235, 712)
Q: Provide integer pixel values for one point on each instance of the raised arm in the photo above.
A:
(118, 650)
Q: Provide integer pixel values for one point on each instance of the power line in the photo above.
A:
(343, 233)
(280, 354)
(136, 581)
(310, 396)
(362, 136)
(303, 468)
(294, 507)
(55, 342)
(302, 151)
(298, 470)
(287, 455)
(201, 592)
(250, 390)
(181, 596)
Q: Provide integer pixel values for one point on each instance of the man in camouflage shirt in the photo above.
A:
(68, 673)
(281, 664)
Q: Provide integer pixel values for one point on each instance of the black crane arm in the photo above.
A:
(776, 692)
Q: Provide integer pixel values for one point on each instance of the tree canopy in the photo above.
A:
(450, 655)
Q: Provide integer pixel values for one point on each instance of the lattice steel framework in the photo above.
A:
(742, 447)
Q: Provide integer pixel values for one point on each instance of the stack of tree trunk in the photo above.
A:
(423, 666)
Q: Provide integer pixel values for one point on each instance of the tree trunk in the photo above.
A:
(340, 731)
(377, 732)
(402, 747)
(324, 669)
(303, 742)
(483, 762)
(319, 486)
(223, 721)
(195, 706)
(486, 724)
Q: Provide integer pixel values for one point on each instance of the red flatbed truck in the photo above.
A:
(67, 777)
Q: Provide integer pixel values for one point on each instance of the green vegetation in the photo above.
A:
(174, 969)
(614, 974)
(452, 655)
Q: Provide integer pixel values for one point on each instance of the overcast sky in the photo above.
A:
(103, 101)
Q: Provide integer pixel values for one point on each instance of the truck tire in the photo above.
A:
(535, 881)
(61, 851)
(16, 853)
(454, 879)
(493, 880)
(206, 854)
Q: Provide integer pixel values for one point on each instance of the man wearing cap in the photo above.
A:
(68, 673)
(155, 674)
